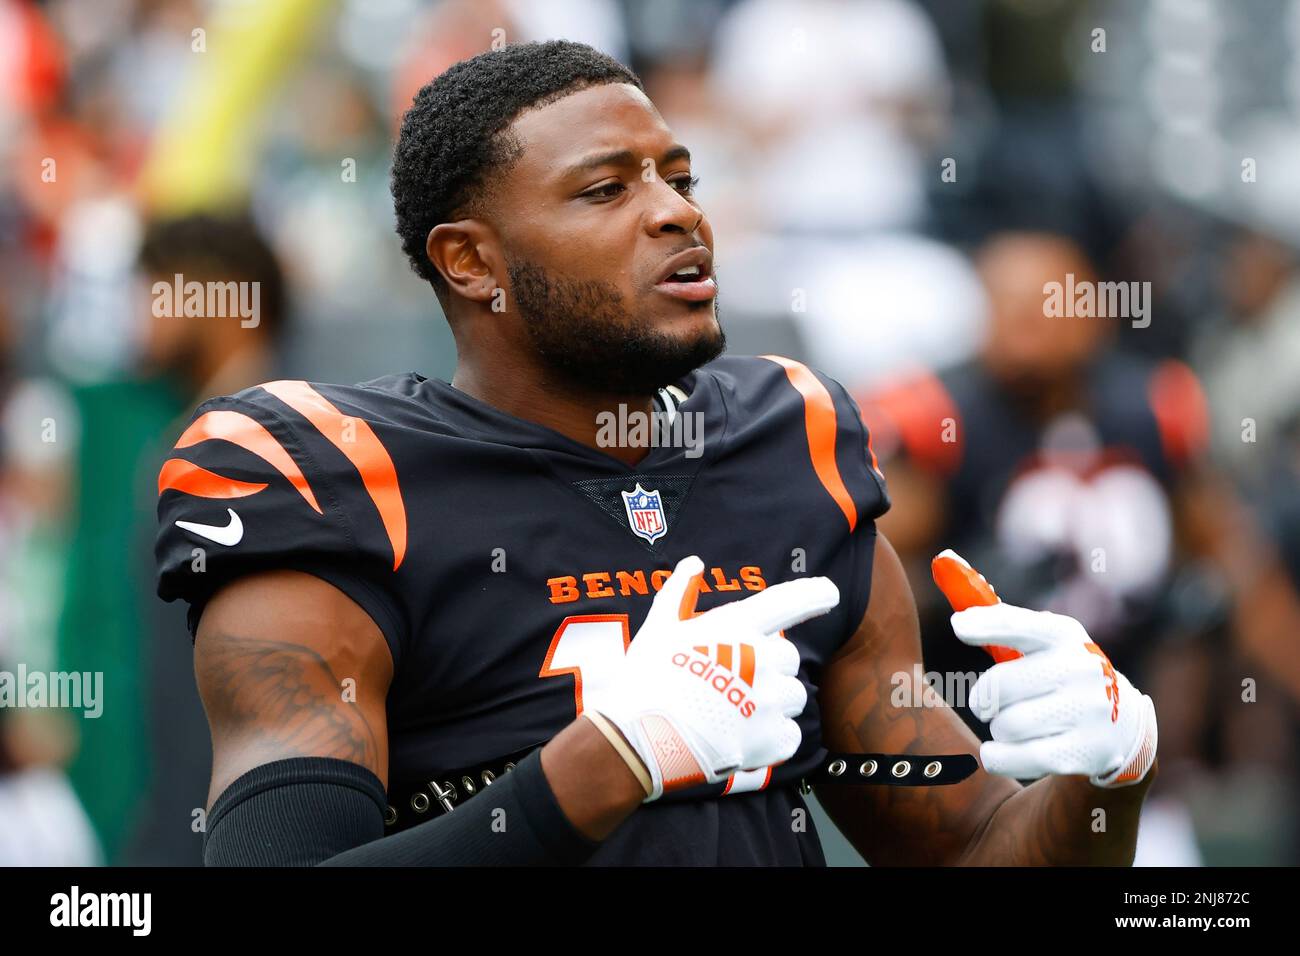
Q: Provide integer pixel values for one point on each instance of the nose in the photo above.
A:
(669, 212)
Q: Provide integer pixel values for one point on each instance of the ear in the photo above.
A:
(465, 252)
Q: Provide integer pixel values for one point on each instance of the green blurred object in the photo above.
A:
(124, 426)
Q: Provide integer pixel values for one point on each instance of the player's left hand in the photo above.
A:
(1056, 702)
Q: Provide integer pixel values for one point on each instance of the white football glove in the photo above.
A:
(1057, 703)
(1061, 707)
(700, 696)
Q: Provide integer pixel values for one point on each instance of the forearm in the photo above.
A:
(592, 783)
(553, 809)
(515, 822)
(578, 794)
(1062, 821)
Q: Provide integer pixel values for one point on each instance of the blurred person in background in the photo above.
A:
(831, 111)
(141, 769)
(820, 81)
(1243, 781)
(321, 193)
(1048, 459)
(41, 821)
(1248, 354)
(1078, 473)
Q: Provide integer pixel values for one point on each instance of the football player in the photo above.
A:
(440, 622)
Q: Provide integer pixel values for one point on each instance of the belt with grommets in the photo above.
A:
(414, 801)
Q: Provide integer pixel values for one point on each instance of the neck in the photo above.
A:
(530, 394)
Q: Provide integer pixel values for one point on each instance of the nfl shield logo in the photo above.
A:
(645, 513)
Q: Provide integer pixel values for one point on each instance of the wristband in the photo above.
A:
(619, 744)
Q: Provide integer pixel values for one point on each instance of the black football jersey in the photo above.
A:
(508, 565)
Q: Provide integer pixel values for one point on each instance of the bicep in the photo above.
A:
(289, 666)
(908, 825)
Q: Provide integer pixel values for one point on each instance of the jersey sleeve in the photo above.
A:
(852, 492)
(856, 455)
(246, 489)
(867, 489)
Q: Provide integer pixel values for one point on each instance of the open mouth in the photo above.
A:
(688, 274)
(692, 285)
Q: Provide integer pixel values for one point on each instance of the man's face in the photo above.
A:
(1024, 347)
(593, 216)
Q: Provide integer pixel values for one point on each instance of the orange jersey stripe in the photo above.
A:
(819, 421)
(365, 451)
(248, 433)
(187, 477)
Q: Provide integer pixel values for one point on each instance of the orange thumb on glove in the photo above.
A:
(965, 587)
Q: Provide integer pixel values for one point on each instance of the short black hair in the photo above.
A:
(218, 246)
(451, 139)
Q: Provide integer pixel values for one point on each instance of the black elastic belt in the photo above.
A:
(891, 770)
(412, 802)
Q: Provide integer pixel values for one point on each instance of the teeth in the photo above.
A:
(688, 271)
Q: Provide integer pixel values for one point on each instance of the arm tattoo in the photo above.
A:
(282, 700)
(903, 825)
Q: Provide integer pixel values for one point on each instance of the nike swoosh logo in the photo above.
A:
(227, 534)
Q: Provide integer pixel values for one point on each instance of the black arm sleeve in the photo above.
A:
(308, 811)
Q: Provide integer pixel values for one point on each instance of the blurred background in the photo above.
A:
(891, 184)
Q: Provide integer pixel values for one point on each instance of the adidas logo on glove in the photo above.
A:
(708, 670)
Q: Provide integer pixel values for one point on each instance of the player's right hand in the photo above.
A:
(703, 695)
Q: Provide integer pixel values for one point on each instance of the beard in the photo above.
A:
(584, 335)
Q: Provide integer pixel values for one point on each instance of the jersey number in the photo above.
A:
(590, 646)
